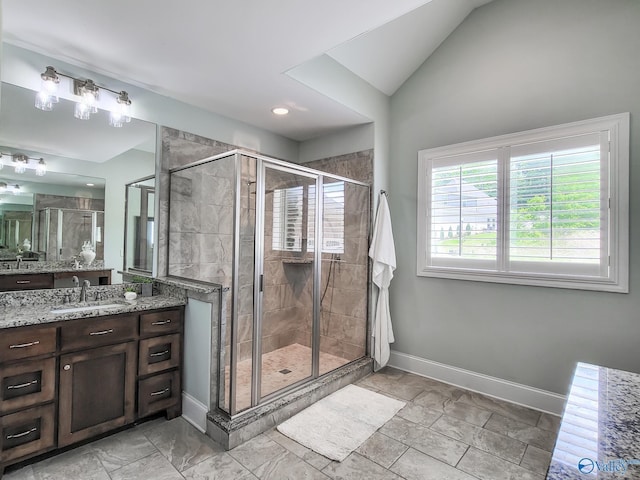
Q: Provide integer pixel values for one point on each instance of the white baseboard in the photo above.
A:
(494, 387)
(194, 412)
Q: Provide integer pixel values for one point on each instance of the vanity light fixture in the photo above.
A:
(89, 93)
(122, 113)
(280, 111)
(47, 95)
(16, 189)
(3, 187)
(21, 161)
(41, 168)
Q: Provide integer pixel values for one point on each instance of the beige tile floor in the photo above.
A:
(443, 433)
(295, 358)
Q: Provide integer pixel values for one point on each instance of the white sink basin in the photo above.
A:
(85, 308)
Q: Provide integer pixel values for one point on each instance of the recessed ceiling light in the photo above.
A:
(91, 184)
(280, 111)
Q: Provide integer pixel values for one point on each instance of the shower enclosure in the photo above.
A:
(291, 244)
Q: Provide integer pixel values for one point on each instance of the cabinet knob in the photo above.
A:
(67, 367)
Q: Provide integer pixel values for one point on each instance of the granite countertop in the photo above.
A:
(600, 432)
(36, 314)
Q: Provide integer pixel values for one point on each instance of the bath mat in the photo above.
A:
(338, 424)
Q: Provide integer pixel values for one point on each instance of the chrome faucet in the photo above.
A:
(18, 261)
(83, 292)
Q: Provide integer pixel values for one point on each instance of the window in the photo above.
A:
(288, 207)
(546, 207)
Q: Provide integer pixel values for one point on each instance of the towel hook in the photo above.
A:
(384, 192)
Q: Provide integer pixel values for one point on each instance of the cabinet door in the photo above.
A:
(97, 391)
(27, 383)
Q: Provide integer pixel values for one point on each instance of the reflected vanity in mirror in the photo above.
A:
(46, 221)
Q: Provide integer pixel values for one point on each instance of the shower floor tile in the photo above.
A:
(280, 368)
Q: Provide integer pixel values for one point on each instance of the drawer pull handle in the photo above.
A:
(22, 282)
(159, 392)
(22, 385)
(102, 332)
(162, 322)
(159, 354)
(25, 345)
(18, 435)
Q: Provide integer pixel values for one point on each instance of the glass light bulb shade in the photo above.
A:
(120, 115)
(16, 189)
(44, 101)
(82, 111)
(3, 186)
(21, 167)
(41, 168)
(49, 86)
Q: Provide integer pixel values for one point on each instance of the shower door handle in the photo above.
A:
(261, 282)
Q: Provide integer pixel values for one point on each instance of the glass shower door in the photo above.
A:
(286, 329)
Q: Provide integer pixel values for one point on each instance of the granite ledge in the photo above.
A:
(38, 314)
(191, 285)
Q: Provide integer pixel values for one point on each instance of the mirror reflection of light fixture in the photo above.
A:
(41, 168)
(21, 162)
(89, 93)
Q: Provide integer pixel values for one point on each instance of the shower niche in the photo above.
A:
(290, 243)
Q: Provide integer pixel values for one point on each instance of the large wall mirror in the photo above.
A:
(81, 198)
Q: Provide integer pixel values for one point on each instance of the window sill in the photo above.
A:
(573, 283)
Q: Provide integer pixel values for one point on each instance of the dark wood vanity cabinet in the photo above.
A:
(27, 399)
(159, 361)
(70, 381)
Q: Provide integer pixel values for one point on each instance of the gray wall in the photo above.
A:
(515, 65)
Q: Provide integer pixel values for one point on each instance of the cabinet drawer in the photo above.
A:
(160, 323)
(24, 342)
(26, 281)
(158, 393)
(27, 383)
(158, 354)
(91, 332)
(26, 432)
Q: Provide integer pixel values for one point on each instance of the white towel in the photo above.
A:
(383, 254)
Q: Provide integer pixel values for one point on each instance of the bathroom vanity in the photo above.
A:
(71, 373)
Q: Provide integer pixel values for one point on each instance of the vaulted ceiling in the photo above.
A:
(232, 57)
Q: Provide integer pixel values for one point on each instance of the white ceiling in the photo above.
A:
(231, 57)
